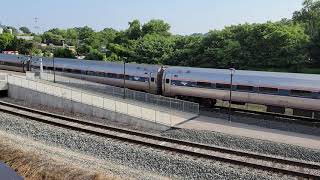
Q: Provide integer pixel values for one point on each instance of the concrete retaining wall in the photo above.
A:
(145, 112)
(97, 109)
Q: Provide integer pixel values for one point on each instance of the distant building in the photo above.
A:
(10, 31)
(80, 57)
(1, 30)
(10, 52)
(28, 38)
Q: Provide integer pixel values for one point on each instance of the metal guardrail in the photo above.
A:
(157, 100)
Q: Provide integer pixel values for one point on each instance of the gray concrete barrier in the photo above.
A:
(39, 98)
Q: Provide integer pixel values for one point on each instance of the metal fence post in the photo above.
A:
(183, 106)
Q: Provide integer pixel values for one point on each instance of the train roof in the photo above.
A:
(12, 58)
(253, 78)
(102, 66)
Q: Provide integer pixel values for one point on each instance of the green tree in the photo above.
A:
(60, 32)
(153, 49)
(13, 29)
(5, 41)
(23, 46)
(63, 53)
(84, 32)
(108, 35)
(72, 37)
(84, 49)
(255, 46)
(185, 51)
(156, 26)
(25, 30)
(49, 37)
(95, 55)
(134, 31)
(309, 15)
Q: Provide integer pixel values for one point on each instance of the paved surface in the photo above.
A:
(7, 173)
(12, 72)
(223, 126)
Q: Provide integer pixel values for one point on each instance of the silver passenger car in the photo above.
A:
(13, 62)
(292, 90)
(138, 76)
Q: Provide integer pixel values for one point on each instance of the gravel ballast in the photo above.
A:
(208, 137)
(245, 144)
(268, 122)
(143, 159)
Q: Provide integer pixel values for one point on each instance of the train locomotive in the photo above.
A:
(277, 91)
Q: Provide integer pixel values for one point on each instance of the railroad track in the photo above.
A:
(270, 115)
(241, 158)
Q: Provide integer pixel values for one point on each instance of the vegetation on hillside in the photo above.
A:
(288, 45)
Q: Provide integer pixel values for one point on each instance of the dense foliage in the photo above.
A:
(287, 45)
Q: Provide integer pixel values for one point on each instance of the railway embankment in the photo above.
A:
(29, 163)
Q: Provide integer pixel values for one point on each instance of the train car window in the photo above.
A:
(68, 70)
(113, 75)
(144, 79)
(91, 73)
(152, 79)
(167, 81)
(204, 84)
(58, 69)
(268, 90)
(120, 76)
(244, 88)
(301, 93)
(130, 78)
(100, 74)
(83, 72)
(183, 83)
(222, 86)
(78, 71)
(136, 78)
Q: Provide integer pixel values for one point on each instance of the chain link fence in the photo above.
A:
(156, 100)
(69, 99)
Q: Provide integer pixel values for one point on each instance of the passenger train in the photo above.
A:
(277, 91)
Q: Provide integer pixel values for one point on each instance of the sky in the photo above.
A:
(184, 16)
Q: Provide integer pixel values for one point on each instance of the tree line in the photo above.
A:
(288, 45)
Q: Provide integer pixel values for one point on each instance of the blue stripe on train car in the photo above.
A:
(284, 92)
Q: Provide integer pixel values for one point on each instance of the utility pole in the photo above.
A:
(232, 71)
(36, 27)
(41, 68)
(124, 77)
(54, 70)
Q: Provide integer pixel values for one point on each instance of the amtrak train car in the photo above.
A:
(14, 62)
(276, 90)
(140, 77)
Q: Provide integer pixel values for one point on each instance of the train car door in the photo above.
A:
(150, 82)
(167, 85)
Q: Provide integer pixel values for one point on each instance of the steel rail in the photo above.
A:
(163, 139)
